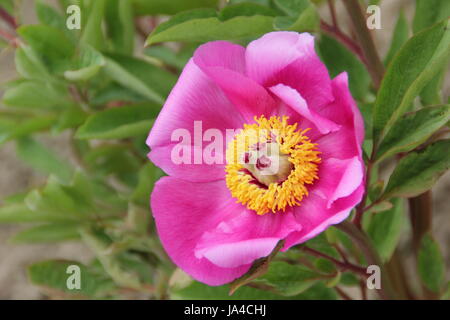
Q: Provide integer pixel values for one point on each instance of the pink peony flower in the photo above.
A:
(299, 171)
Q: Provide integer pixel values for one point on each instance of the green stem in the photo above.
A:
(373, 61)
(371, 255)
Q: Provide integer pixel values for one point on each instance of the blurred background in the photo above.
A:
(14, 176)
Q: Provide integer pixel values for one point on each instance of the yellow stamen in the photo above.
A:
(270, 194)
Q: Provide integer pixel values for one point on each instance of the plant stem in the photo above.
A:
(343, 266)
(4, 15)
(360, 209)
(374, 64)
(371, 255)
(421, 216)
(344, 39)
(333, 12)
(420, 212)
(342, 294)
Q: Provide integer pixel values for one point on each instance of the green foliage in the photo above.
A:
(385, 229)
(418, 171)
(430, 264)
(415, 64)
(338, 59)
(412, 130)
(52, 275)
(102, 90)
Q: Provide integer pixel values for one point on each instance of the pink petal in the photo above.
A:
(289, 58)
(218, 60)
(195, 98)
(183, 212)
(245, 237)
(201, 172)
(343, 110)
(294, 100)
(338, 178)
(315, 217)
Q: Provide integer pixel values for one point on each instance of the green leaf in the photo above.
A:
(119, 123)
(199, 291)
(120, 25)
(418, 171)
(42, 159)
(54, 232)
(412, 130)
(26, 127)
(69, 201)
(89, 64)
(258, 268)
(29, 65)
(21, 213)
(93, 31)
(36, 94)
(287, 279)
(53, 47)
(99, 243)
(301, 16)
(429, 12)
(51, 17)
(145, 7)
(70, 118)
(338, 59)
(399, 37)
(167, 56)
(204, 25)
(53, 275)
(148, 175)
(416, 63)
(246, 9)
(385, 229)
(430, 264)
(144, 78)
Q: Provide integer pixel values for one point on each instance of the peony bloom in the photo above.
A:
(292, 163)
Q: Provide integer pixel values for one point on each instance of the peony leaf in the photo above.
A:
(301, 16)
(42, 159)
(418, 171)
(51, 45)
(119, 18)
(52, 276)
(37, 95)
(54, 232)
(429, 12)
(385, 229)
(430, 264)
(143, 78)
(119, 122)
(287, 279)
(399, 37)
(199, 291)
(145, 7)
(205, 25)
(416, 63)
(338, 59)
(412, 130)
(258, 268)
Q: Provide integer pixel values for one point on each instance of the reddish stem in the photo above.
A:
(344, 39)
(9, 19)
(344, 266)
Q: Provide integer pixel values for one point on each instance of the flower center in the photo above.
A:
(269, 164)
